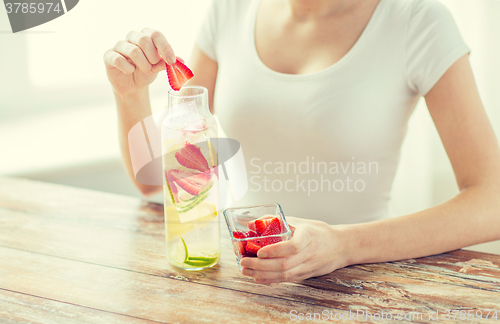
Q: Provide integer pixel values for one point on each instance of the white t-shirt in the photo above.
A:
(326, 145)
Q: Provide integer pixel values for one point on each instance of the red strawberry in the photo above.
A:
(178, 74)
(273, 228)
(241, 244)
(270, 240)
(172, 186)
(251, 234)
(191, 182)
(191, 157)
(253, 247)
(239, 234)
(248, 255)
(262, 224)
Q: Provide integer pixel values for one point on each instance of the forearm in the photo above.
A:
(132, 108)
(471, 217)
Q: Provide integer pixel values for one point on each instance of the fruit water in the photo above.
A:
(191, 188)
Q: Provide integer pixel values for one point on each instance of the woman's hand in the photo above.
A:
(314, 250)
(134, 63)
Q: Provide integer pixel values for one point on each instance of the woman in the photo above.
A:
(319, 94)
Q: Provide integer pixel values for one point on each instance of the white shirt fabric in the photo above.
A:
(350, 117)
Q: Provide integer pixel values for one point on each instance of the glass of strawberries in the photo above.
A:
(253, 227)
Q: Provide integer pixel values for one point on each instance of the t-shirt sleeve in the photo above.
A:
(433, 44)
(207, 36)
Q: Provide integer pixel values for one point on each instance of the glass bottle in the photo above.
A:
(192, 222)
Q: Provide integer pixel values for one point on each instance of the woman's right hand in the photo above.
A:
(134, 63)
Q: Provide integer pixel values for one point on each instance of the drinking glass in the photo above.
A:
(237, 220)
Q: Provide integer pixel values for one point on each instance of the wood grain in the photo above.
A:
(135, 294)
(108, 238)
(23, 308)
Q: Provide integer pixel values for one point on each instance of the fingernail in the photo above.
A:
(262, 255)
(247, 272)
(245, 263)
(171, 59)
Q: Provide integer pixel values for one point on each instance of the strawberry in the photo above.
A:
(262, 224)
(191, 157)
(249, 255)
(191, 182)
(172, 186)
(178, 74)
(253, 247)
(270, 240)
(241, 244)
(273, 227)
(251, 234)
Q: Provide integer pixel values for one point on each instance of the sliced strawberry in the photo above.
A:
(191, 182)
(172, 186)
(273, 227)
(249, 255)
(253, 247)
(191, 157)
(251, 234)
(178, 74)
(241, 244)
(262, 224)
(270, 240)
(239, 234)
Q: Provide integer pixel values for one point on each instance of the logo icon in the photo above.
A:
(25, 14)
(146, 160)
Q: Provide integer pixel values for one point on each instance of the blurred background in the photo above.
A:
(58, 120)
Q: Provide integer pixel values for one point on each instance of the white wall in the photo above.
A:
(425, 177)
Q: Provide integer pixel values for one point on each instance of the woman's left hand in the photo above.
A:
(314, 250)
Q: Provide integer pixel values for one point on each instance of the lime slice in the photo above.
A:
(186, 254)
(200, 261)
(192, 204)
(178, 251)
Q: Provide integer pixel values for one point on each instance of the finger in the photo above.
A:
(263, 282)
(134, 54)
(114, 60)
(160, 66)
(145, 43)
(251, 225)
(295, 245)
(274, 264)
(292, 228)
(272, 276)
(299, 273)
(161, 44)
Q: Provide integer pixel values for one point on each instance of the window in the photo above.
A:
(58, 65)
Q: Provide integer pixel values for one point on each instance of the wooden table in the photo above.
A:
(70, 255)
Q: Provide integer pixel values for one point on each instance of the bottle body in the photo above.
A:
(191, 188)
